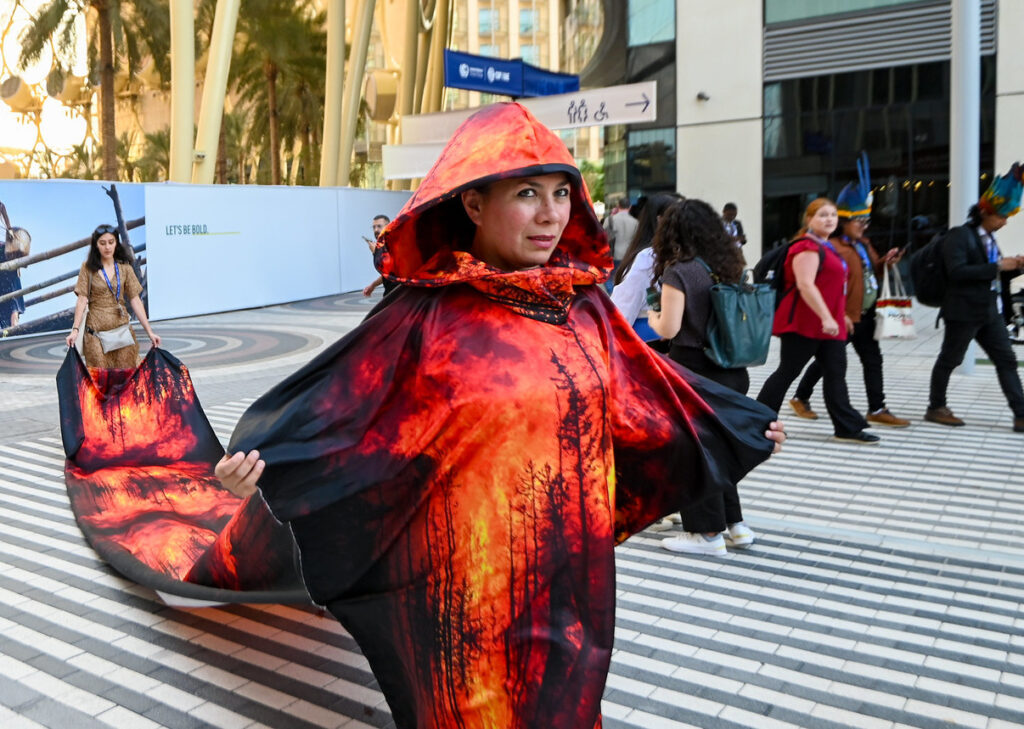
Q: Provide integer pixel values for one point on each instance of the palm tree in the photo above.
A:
(279, 74)
(134, 28)
(154, 165)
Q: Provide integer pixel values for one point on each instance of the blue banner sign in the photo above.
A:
(504, 77)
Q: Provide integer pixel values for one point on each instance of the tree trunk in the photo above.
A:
(108, 131)
(270, 70)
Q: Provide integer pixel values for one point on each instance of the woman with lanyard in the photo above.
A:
(854, 208)
(811, 321)
(105, 283)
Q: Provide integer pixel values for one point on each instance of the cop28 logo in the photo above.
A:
(490, 74)
(464, 70)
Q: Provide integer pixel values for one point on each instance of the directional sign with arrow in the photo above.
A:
(627, 104)
(424, 135)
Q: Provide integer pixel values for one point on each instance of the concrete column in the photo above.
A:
(354, 87)
(964, 108)
(183, 89)
(211, 108)
(333, 93)
(719, 141)
(964, 121)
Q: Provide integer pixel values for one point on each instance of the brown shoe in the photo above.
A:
(884, 417)
(802, 409)
(1018, 425)
(942, 416)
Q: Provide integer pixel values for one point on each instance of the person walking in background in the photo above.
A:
(972, 263)
(811, 321)
(105, 283)
(732, 226)
(620, 226)
(634, 276)
(689, 241)
(379, 223)
(865, 267)
(16, 243)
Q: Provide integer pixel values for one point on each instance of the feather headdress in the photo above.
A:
(1003, 196)
(854, 201)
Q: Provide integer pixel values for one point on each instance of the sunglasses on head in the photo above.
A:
(104, 229)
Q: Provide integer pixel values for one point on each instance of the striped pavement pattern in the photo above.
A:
(865, 603)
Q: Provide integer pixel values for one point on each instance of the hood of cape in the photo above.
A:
(427, 243)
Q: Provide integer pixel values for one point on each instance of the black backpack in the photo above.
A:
(928, 272)
(771, 269)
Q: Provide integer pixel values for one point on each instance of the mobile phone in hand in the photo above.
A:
(654, 298)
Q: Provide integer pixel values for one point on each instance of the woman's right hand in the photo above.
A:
(240, 472)
(829, 327)
(71, 338)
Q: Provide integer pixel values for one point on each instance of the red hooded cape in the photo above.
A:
(458, 468)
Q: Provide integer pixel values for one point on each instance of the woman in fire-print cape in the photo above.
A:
(458, 468)
(139, 473)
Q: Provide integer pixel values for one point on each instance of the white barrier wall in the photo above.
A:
(208, 248)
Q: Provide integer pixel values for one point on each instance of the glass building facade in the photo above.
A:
(815, 128)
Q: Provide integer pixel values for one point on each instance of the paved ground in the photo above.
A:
(884, 589)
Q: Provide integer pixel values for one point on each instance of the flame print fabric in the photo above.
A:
(140, 480)
(457, 470)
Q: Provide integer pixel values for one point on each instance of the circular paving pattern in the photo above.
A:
(195, 347)
(351, 301)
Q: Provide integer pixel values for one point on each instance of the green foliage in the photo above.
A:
(593, 175)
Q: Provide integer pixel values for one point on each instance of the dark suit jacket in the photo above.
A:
(969, 276)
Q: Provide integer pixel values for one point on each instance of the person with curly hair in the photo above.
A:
(691, 250)
(633, 276)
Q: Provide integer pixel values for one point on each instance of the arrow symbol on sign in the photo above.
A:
(646, 102)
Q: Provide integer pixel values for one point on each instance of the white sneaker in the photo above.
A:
(661, 526)
(676, 517)
(739, 535)
(696, 544)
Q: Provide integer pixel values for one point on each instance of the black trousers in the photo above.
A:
(716, 512)
(992, 337)
(870, 354)
(795, 353)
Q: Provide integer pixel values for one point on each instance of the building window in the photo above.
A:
(651, 21)
(489, 49)
(488, 21)
(530, 54)
(782, 11)
(651, 160)
(528, 22)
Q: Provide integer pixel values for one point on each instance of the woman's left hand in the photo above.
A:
(155, 339)
(776, 432)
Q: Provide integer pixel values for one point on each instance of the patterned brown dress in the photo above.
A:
(105, 313)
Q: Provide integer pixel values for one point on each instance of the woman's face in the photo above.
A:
(854, 228)
(824, 221)
(106, 244)
(519, 221)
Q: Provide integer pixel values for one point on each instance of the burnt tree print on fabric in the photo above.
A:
(139, 472)
(457, 469)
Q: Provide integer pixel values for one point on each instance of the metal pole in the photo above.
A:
(211, 109)
(354, 87)
(964, 119)
(183, 88)
(412, 32)
(964, 108)
(333, 93)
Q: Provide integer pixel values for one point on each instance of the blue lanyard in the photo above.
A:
(846, 268)
(859, 247)
(991, 248)
(117, 273)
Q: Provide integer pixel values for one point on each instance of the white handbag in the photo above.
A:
(116, 338)
(894, 312)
